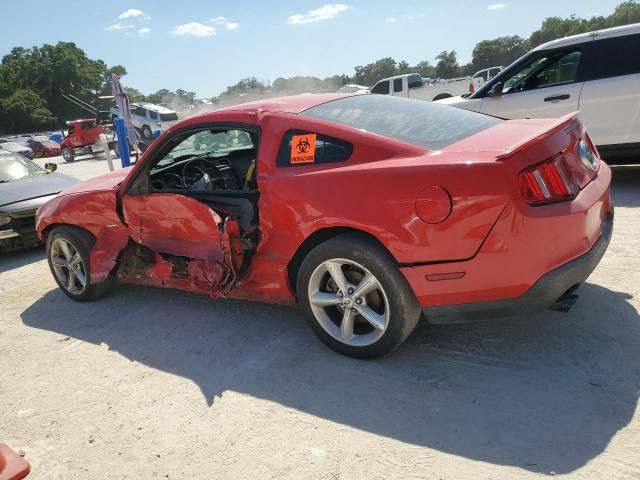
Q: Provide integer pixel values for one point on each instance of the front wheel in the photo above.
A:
(355, 298)
(146, 131)
(67, 154)
(68, 250)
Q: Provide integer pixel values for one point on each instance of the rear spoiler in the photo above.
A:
(543, 133)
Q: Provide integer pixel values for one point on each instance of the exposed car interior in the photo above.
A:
(216, 167)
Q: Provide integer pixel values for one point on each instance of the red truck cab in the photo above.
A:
(81, 134)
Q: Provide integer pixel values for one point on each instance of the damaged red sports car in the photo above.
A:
(366, 210)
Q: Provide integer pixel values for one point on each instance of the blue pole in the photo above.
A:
(123, 142)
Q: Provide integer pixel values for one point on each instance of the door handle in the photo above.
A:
(557, 98)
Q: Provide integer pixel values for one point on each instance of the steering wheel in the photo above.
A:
(191, 174)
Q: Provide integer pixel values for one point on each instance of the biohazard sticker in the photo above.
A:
(303, 148)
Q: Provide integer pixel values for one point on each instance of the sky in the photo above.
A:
(204, 46)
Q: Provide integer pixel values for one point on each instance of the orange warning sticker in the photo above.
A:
(303, 148)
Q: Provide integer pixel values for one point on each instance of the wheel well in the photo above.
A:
(440, 96)
(315, 239)
(49, 228)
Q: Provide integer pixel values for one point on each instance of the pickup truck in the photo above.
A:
(412, 85)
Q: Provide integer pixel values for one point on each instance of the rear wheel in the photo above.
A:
(355, 298)
(67, 154)
(68, 250)
(441, 96)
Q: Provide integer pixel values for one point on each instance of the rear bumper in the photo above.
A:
(541, 296)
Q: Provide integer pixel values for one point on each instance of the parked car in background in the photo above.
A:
(364, 209)
(149, 118)
(597, 73)
(412, 85)
(24, 186)
(44, 148)
(483, 76)
(18, 148)
(352, 88)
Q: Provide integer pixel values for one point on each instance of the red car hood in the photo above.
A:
(100, 183)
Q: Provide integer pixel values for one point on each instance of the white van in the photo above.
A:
(149, 118)
(597, 73)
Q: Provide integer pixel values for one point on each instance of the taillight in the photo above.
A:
(471, 87)
(547, 182)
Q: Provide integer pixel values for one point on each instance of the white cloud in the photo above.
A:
(193, 29)
(496, 6)
(132, 12)
(143, 31)
(225, 21)
(326, 12)
(390, 20)
(118, 26)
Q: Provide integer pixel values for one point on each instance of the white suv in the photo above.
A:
(597, 73)
(149, 118)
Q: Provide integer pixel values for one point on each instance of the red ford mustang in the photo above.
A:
(366, 210)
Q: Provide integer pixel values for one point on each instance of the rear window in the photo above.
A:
(168, 117)
(425, 124)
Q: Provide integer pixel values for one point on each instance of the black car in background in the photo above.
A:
(24, 186)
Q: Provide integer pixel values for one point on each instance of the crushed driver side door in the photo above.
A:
(178, 242)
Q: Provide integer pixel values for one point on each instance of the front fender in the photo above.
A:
(94, 212)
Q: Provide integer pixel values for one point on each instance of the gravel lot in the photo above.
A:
(161, 384)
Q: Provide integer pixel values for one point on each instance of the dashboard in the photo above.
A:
(203, 172)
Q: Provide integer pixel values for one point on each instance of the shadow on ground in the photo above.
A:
(546, 393)
(626, 186)
(9, 261)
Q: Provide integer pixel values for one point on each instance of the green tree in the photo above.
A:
(447, 64)
(424, 69)
(499, 51)
(372, 72)
(24, 110)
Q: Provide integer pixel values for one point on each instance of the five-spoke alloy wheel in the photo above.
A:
(356, 299)
(68, 251)
(68, 266)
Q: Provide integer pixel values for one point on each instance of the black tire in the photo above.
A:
(404, 310)
(67, 154)
(82, 242)
(146, 131)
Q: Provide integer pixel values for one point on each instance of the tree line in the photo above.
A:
(31, 79)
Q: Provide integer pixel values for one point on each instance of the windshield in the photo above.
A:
(206, 143)
(15, 167)
(426, 124)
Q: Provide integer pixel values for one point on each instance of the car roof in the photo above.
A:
(586, 37)
(291, 104)
(154, 107)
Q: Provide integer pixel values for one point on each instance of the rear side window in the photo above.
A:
(414, 81)
(141, 111)
(168, 117)
(614, 57)
(87, 125)
(397, 85)
(425, 124)
(300, 147)
(382, 88)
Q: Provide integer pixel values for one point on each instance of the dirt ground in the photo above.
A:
(151, 384)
